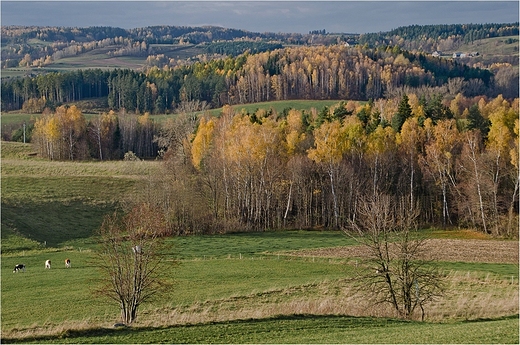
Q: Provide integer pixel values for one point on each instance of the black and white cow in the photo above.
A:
(48, 264)
(18, 268)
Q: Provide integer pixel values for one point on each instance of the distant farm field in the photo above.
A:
(265, 287)
(490, 48)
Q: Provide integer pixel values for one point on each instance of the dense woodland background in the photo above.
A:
(237, 67)
(434, 131)
(323, 72)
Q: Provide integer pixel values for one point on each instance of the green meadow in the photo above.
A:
(230, 288)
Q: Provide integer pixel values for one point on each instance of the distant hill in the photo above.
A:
(426, 37)
(334, 72)
(495, 43)
(227, 66)
(34, 47)
(29, 49)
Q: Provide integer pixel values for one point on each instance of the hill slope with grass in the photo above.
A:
(51, 203)
(257, 287)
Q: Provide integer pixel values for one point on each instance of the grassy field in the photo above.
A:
(234, 288)
(65, 201)
(277, 106)
(491, 48)
(248, 297)
(17, 118)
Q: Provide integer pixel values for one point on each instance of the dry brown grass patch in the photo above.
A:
(491, 251)
(470, 296)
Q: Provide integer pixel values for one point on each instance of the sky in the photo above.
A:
(259, 16)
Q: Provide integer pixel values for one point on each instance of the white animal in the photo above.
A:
(48, 264)
(67, 263)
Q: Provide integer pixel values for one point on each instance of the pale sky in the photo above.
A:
(259, 16)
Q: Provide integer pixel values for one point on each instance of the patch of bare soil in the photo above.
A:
(490, 251)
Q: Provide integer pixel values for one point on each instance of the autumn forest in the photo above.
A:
(269, 170)
(431, 132)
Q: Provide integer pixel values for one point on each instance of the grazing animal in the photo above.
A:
(137, 249)
(19, 267)
(67, 263)
(48, 264)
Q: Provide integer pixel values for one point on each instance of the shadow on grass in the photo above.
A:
(509, 317)
(137, 334)
(286, 328)
(71, 334)
(51, 223)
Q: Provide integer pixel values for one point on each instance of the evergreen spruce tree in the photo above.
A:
(477, 121)
(404, 111)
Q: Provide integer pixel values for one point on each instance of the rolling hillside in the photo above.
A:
(38, 49)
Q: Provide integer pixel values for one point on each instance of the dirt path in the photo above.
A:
(492, 251)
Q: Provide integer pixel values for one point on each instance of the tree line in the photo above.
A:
(334, 72)
(235, 48)
(458, 165)
(65, 134)
(456, 157)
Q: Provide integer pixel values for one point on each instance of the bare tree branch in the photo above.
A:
(393, 274)
(131, 259)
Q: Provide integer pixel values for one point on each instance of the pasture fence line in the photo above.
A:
(266, 257)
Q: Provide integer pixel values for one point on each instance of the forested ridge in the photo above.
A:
(438, 37)
(322, 72)
(151, 34)
(319, 66)
(42, 46)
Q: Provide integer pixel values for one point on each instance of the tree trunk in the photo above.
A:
(512, 206)
(334, 198)
(473, 158)
(288, 204)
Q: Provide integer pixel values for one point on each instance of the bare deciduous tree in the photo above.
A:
(394, 272)
(131, 259)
